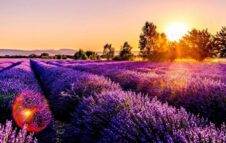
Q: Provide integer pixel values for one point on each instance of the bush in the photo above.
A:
(127, 117)
(10, 135)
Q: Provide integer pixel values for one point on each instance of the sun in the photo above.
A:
(176, 31)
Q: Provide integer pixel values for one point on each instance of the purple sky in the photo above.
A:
(56, 24)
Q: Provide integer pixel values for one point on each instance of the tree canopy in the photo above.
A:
(126, 52)
(108, 52)
(197, 44)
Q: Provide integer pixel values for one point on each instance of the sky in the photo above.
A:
(88, 25)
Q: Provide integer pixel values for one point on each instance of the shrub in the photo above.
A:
(10, 135)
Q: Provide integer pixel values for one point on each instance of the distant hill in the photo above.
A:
(11, 52)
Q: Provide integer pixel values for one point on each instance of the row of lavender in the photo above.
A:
(65, 87)
(199, 88)
(204, 70)
(201, 70)
(18, 82)
(98, 110)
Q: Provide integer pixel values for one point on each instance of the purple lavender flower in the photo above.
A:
(199, 88)
(66, 87)
(10, 135)
(126, 117)
(14, 81)
(113, 115)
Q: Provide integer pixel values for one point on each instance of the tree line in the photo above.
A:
(125, 53)
(154, 46)
(196, 44)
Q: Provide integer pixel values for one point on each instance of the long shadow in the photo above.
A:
(11, 66)
(56, 123)
(46, 93)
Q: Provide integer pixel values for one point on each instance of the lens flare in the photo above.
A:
(31, 111)
(27, 113)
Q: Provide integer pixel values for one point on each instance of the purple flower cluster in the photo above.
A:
(15, 81)
(7, 63)
(103, 112)
(65, 87)
(120, 116)
(4, 65)
(10, 135)
(199, 88)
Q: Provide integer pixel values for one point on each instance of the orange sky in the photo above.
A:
(74, 24)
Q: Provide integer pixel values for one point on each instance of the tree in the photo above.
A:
(89, 53)
(33, 56)
(148, 40)
(162, 43)
(126, 52)
(80, 55)
(200, 42)
(92, 55)
(164, 51)
(44, 55)
(182, 50)
(172, 55)
(108, 52)
(60, 56)
(220, 42)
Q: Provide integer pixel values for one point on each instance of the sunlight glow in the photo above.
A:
(27, 113)
(176, 31)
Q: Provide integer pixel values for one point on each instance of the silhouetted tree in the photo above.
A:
(32, 56)
(44, 55)
(60, 56)
(162, 43)
(80, 55)
(92, 55)
(220, 42)
(89, 53)
(108, 52)
(165, 50)
(148, 40)
(200, 42)
(125, 52)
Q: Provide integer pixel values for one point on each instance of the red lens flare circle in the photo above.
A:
(31, 111)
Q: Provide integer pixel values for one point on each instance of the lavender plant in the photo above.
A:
(66, 87)
(8, 63)
(10, 135)
(13, 82)
(16, 81)
(127, 117)
(118, 116)
(199, 88)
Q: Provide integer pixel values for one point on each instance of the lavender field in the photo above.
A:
(70, 101)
